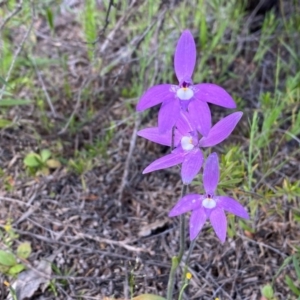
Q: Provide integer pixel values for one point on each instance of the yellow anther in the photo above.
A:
(6, 283)
(188, 276)
(7, 227)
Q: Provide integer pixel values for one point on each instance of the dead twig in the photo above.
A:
(7, 199)
(128, 159)
(122, 244)
(119, 24)
(99, 252)
(283, 255)
(43, 87)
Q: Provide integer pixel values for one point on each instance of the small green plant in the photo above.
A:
(81, 164)
(293, 285)
(10, 260)
(40, 164)
(267, 292)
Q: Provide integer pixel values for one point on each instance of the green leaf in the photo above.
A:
(24, 250)
(245, 226)
(289, 281)
(50, 18)
(284, 264)
(148, 297)
(296, 266)
(16, 269)
(14, 102)
(32, 160)
(45, 154)
(4, 123)
(2, 80)
(3, 269)
(267, 291)
(7, 258)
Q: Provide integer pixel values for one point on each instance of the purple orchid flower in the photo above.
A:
(187, 142)
(186, 95)
(209, 206)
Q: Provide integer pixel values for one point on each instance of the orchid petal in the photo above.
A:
(152, 134)
(168, 114)
(164, 162)
(184, 123)
(155, 95)
(185, 56)
(220, 131)
(219, 223)
(197, 220)
(211, 174)
(199, 112)
(191, 165)
(214, 94)
(232, 206)
(185, 204)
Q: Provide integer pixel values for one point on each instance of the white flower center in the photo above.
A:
(209, 203)
(187, 143)
(185, 93)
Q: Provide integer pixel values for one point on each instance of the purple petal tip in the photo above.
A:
(185, 56)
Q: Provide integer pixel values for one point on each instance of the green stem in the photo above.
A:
(177, 259)
(185, 282)
(171, 277)
(192, 246)
(182, 228)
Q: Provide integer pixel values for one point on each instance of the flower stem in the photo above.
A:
(182, 228)
(173, 138)
(177, 259)
(192, 246)
(185, 282)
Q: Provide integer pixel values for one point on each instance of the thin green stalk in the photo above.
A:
(182, 227)
(185, 282)
(192, 246)
(171, 277)
(177, 259)
(253, 130)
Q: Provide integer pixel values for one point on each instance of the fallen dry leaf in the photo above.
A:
(28, 282)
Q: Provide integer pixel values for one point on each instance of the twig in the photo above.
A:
(43, 87)
(89, 250)
(17, 54)
(212, 280)
(128, 159)
(15, 201)
(12, 14)
(122, 244)
(263, 245)
(121, 21)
